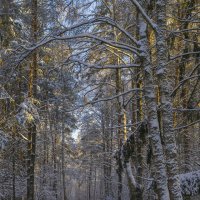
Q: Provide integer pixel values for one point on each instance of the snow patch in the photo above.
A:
(190, 183)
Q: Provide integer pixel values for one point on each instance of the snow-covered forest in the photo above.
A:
(99, 100)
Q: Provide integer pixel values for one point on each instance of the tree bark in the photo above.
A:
(32, 94)
(166, 102)
(153, 123)
(63, 161)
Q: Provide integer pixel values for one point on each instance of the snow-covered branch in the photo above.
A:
(120, 45)
(97, 66)
(144, 14)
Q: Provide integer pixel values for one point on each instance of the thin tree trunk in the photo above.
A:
(95, 182)
(120, 133)
(63, 162)
(90, 178)
(140, 135)
(32, 93)
(55, 164)
(13, 166)
(103, 121)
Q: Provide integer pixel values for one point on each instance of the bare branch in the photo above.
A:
(182, 127)
(181, 83)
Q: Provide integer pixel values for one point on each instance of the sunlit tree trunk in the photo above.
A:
(188, 7)
(32, 94)
(153, 123)
(5, 23)
(119, 133)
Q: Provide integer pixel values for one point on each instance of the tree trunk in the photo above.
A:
(13, 163)
(32, 94)
(182, 73)
(166, 103)
(119, 132)
(153, 123)
(63, 162)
